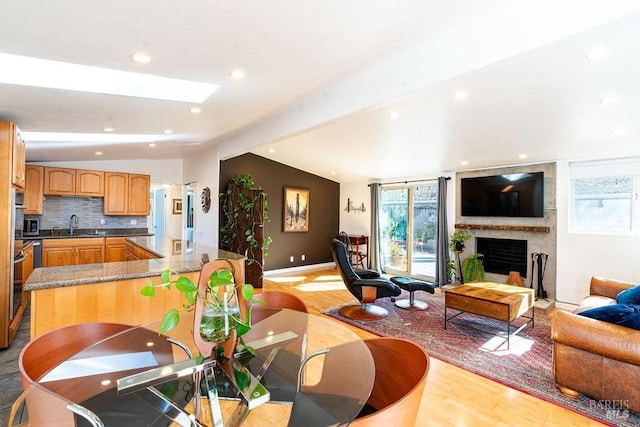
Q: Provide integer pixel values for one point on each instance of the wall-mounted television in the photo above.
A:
(509, 195)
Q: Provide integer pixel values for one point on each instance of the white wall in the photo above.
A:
(581, 255)
(204, 169)
(355, 223)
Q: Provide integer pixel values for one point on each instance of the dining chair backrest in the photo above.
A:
(49, 350)
(277, 299)
(401, 373)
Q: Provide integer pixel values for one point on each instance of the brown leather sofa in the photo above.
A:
(598, 359)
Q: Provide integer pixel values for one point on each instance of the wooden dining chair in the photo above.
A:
(49, 350)
(401, 373)
(277, 299)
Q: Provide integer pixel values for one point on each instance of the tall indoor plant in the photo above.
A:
(244, 211)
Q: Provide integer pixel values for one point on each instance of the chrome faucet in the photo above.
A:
(72, 222)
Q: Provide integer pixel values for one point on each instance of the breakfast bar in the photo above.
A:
(110, 292)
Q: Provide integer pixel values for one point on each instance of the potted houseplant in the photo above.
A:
(397, 253)
(473, 268)
(244, 211)
(457, 240)
(221, 310)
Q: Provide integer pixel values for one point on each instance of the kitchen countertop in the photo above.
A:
(179, 255)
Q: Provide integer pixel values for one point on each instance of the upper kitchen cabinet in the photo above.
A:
(19, 156)
(34, 190)
(139, 201)
(89, 183)
(126, 194)
(59, 181)
(73, 182)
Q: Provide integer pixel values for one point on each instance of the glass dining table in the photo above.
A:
(304, 370)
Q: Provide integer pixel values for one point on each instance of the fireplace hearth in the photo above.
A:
(501, 256)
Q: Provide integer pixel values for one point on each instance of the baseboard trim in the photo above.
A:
(300, 268)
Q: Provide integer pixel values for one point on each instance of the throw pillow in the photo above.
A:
(619, 314)
(629, 296)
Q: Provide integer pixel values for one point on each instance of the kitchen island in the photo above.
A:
(110, 292)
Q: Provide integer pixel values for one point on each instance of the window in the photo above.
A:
(408, 223)
(604, 196)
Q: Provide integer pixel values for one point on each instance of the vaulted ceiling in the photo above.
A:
(351, 90)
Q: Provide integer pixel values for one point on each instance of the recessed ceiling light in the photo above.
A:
(596, 53)
(27, 71)
(272, 150)
(140, 57)
(108, 129)
(167, 131)
(616, 132)
(98, 153)
(195, 110)
(460, 95)
(394, 115)
(333, 172)
(608, 100)
(464, 163)
(152, 145)
(237, 74)
(523, 156)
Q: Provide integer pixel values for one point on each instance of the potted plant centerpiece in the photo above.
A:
(221, 311)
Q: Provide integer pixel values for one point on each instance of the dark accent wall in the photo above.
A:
(324, 210)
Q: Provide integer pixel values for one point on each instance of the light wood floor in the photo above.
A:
(453, 396)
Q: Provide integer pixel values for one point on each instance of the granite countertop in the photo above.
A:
(179, 255)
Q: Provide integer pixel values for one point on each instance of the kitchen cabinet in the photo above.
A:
(63, 252)
(115, 249)
(89, 183)
(18, 158)
(73, 182)
(126, 194)
(59, 181)
(34, 190)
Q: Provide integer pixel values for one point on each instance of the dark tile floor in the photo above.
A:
(10, 385)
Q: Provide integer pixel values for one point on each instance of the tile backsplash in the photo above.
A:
(58, 211)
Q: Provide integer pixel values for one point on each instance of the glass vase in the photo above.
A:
(217, 319)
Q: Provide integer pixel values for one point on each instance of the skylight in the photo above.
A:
(89, 137)
(26, 71)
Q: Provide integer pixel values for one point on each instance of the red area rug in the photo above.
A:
(479, 345)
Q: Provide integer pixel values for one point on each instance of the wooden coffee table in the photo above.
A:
(496, 301)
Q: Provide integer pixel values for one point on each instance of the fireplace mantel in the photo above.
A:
(533, 229)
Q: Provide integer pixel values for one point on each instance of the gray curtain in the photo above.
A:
(442, 235)
(374, 238)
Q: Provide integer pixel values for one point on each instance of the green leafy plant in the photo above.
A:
(242, 218)
(223, 277)
(395, 249)
(458, 239)
(451, 270)
(473, 268)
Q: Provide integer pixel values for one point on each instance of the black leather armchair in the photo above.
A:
(366, 285)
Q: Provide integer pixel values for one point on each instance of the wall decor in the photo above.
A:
(176, 247)
(296, 210)
(205, 199)
(177, 206)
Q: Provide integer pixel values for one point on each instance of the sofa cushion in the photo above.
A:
(593, 301)
(619, 314)
(629, 296)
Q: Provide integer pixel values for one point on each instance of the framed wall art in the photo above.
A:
(177, 206)
(296, 210)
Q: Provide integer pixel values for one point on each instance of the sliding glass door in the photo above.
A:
(408, 223)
